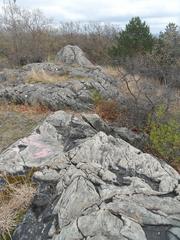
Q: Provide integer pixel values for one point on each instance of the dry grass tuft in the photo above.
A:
(43, 77)
(7, 221)
(15, 198)
(114, 71)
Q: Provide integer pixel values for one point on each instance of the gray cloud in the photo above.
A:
(157, 13)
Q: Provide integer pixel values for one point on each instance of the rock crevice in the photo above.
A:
(84, 194)
(92, 183)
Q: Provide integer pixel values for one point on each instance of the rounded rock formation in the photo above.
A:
(73, 55)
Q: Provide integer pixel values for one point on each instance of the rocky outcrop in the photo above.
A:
(75, 93)
(93, 184)
(73, 55)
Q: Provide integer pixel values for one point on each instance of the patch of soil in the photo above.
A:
(17, 124)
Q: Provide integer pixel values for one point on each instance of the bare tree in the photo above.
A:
(143, 95)
(28, 36)
(24, 33)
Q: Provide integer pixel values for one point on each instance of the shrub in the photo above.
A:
(96, 96)
(108, 110)
(165, 135)
(166, 55)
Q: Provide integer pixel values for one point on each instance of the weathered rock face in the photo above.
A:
(93, 185)
(75, 93)
(73, 55)
(2, 77)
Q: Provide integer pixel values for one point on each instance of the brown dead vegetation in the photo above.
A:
(108, 110)
(25, 109)
(15, 197)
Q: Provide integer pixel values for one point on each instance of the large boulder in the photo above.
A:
(92, 184)
(73, 55)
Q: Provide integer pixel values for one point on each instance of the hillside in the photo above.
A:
(92, 178)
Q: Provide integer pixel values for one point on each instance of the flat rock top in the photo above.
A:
(101, 186)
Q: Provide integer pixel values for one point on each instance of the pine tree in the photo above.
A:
(136, 38)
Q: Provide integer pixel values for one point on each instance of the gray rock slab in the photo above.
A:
(72, 55)
(92, 184)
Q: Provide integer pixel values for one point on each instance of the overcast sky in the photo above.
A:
(157, 13)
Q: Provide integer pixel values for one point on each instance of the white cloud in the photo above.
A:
(158, 13)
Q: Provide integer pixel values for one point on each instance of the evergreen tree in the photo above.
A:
(167, 48)
(136, 38)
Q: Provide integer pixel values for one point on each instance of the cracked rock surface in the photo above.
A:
(73, 55)
(75, 93)
(92, 184)
(83, 78)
